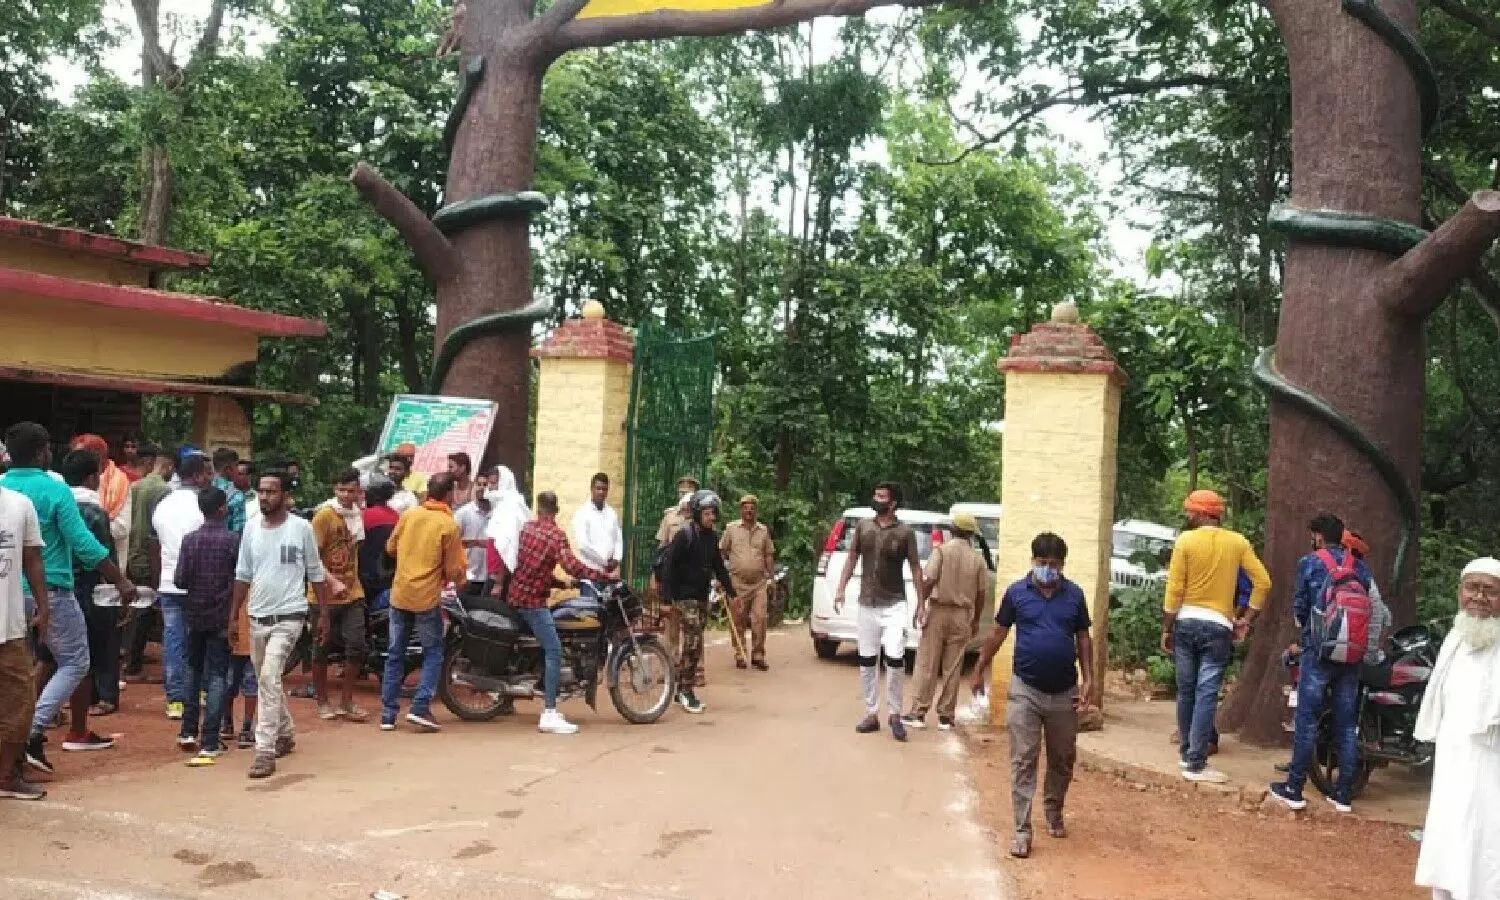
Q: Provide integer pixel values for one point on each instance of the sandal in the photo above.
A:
(353, 713)
(103, 708)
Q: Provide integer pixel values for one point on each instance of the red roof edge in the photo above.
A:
(149, 256)
(178, 306)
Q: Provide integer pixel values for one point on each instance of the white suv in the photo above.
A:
(1131, 538)
(830, 628)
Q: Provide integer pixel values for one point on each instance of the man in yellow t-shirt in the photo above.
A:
(334, 527)
(1197, 625)
(429, 552)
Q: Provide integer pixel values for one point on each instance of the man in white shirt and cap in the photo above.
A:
(1460, 857)
(597, 537)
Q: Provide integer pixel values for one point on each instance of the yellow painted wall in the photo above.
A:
(1058, 458)
(580, 430)
(44, 332)
(31, 256)
(221, 422)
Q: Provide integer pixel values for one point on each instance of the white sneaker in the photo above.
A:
(552, 722)
(1340, 807)
(1212, 776)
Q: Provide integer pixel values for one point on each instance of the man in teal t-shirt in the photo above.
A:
(66, 537)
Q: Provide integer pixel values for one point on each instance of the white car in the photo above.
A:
(1133, 537)
(829, 628)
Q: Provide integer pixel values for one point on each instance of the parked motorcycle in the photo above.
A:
(377, 636)
(1390, 694)
(490, 656)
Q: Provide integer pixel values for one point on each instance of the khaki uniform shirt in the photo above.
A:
(961, 575)
(747, 550)
(671, 521)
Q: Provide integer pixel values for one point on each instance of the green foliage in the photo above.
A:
(1162, 671)
(1135, 628)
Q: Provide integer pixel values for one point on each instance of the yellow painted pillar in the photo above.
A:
(221, 422)
(583, 398)
(1062, 420)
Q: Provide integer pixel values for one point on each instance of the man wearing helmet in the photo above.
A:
(691, 560)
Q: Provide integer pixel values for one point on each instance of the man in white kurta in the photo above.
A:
(597, 538)
(1460, 857)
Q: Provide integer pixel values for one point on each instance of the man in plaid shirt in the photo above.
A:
(543, 547)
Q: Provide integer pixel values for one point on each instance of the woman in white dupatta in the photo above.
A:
(508, 514)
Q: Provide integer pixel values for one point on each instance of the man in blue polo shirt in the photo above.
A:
(1051, 621)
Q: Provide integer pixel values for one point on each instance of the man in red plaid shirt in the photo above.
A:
(543, 547)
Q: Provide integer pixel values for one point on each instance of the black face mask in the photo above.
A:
(881, 508)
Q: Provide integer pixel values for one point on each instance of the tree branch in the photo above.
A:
(1487, 25)
(668, 23)
(208, 43)
(1083, 95)
(561, 13)
(434, 254)
(1419, 281)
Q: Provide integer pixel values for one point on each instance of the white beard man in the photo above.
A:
(1460, 857)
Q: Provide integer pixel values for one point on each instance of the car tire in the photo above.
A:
(825, 648)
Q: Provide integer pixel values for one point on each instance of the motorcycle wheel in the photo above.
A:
(642, 680)
(1324, 771)
(465, 702)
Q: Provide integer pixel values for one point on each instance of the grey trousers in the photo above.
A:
(1030, 715)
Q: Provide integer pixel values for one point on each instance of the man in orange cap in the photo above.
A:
(1199, 625)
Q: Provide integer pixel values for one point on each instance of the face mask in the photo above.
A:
(1044, 575)
(881, 508)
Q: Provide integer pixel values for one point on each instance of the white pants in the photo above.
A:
(882, 628)
(270, 645)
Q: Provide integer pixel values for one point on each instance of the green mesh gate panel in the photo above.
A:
(667, 433)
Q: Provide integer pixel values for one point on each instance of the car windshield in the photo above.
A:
(1129, 543)
(923, 529)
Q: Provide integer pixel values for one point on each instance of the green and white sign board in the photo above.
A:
(438, 426)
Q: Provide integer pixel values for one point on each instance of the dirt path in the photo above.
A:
(1143, 837)
(769, 794)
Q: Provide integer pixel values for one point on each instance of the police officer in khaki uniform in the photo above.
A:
(957, 579)
(672, 519)
(751, 555)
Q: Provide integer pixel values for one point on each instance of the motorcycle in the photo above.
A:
(377, 636)
(1390, 694)
(491, 658)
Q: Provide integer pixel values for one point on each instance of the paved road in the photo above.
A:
(770, 794)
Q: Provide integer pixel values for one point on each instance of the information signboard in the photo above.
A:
(437, 426)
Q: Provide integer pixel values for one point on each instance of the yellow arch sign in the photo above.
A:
(602, 8)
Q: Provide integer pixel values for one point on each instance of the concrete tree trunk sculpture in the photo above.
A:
(1346, 378)
(476, 248)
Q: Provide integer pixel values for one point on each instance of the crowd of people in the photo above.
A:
(220, 556)
(88, 545)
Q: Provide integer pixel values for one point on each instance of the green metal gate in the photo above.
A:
(667, 433)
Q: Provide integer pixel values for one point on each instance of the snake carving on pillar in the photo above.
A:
(1346, 375)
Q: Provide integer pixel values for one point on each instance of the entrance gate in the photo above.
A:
(667, 433)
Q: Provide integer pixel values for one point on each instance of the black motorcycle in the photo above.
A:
(1390, 694)
(377, 636)
(490, 656)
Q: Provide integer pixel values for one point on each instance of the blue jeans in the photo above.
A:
(67, 639)
(174, 632)
(1201, 651)
(207, 671)
(429, 628)
(545, 630)
(1341, 682)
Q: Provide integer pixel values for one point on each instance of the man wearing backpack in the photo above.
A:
(1333, 611)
